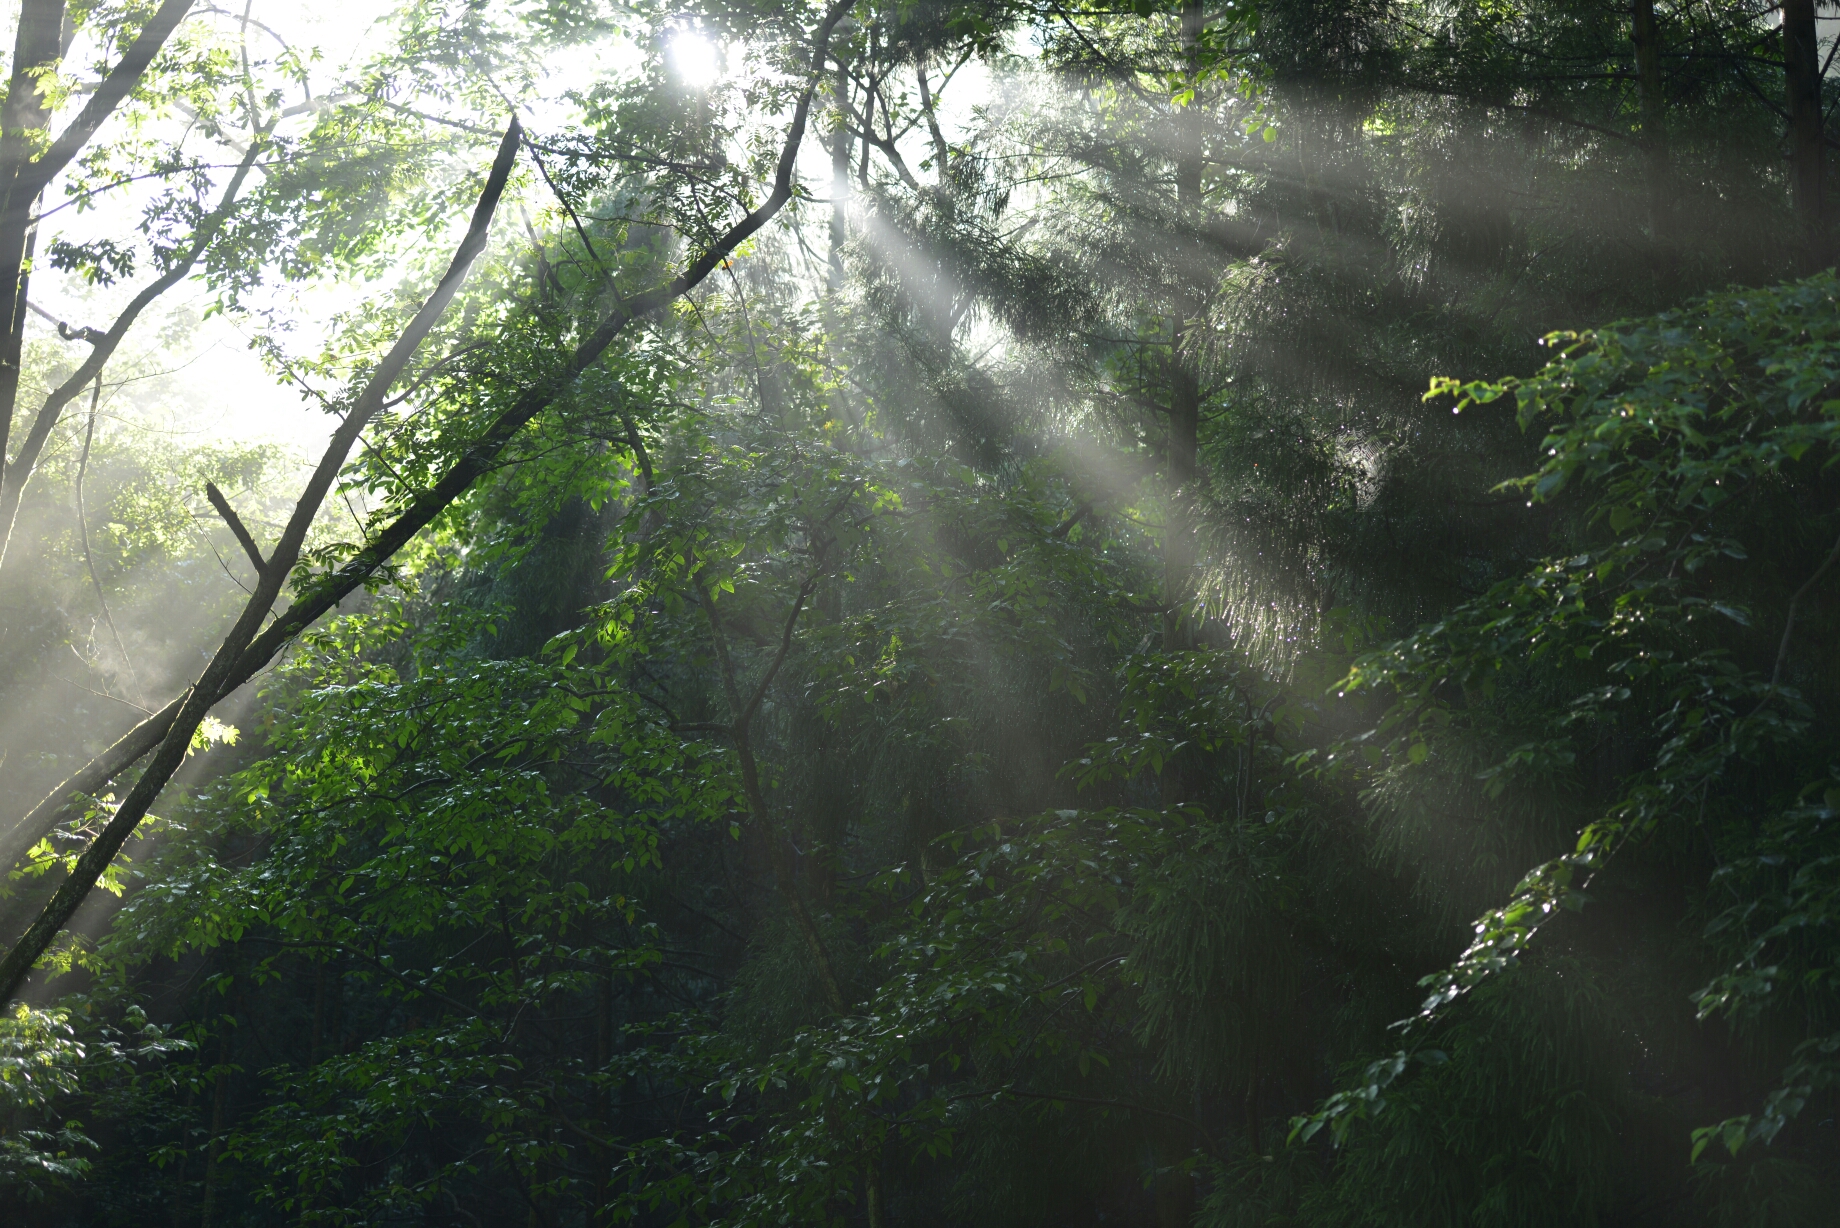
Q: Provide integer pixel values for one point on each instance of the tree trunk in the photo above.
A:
(36, 49)
(1179, 527)
(872, 1192)
(603, 1056)
(177, 1208)
(1647, 38)
(1802, 79)
(25, 172)
(840, 178)
(1185, 379)
(941, 151)
(779, 842)
(870, 85)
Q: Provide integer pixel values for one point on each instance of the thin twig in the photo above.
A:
(127, 703)
(580, 230)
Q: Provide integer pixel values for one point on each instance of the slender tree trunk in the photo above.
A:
(603, 1055)
(1647, 38)
(839, 148)
(1184, 377)
(872, 1192)
(89, 558)
(840, 178)
(862, 171)
(37, 49)
(15, 475)
(1179, 526)
(941, 151)
(12, 349)
(1802, 79)
(332, 1035)
(177, 1209)
(871, 84)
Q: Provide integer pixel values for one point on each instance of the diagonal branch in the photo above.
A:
(222, 674)
(169, 731)
(785, 644)
(36, 175)
(235, 522)
(1066, 526)
(23, 177)
(14, 475)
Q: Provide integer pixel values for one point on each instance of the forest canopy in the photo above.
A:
(1006, 613)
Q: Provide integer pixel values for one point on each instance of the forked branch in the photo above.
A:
(243, 652)
(14, 475)
(225, 671)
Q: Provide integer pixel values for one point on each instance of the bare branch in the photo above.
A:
(235, 522)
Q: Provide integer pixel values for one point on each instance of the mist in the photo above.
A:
(1203, 614)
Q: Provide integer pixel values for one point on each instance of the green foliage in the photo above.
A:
(853, 758)
(1676, 434)
(51, 1062)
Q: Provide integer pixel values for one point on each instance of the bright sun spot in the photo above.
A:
(696, 58)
